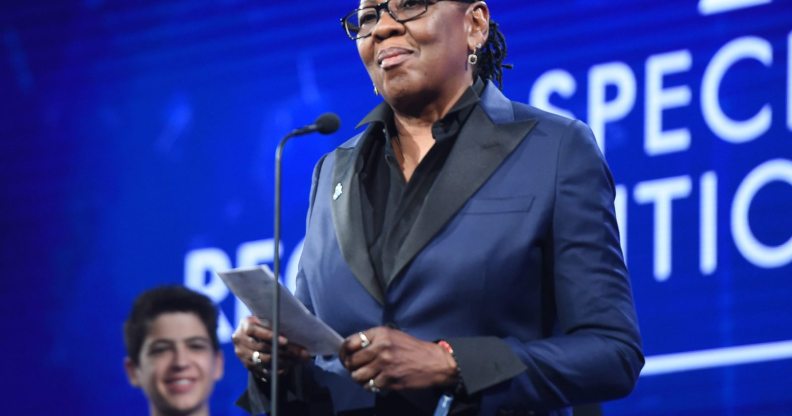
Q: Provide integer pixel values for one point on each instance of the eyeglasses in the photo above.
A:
(360, 23)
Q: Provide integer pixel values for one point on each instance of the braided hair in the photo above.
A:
(490, 57)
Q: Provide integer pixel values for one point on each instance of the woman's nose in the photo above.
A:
(387, 26)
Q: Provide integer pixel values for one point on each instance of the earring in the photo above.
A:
(473, 58)
(376, 91)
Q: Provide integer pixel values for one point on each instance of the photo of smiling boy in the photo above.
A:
(173, 353)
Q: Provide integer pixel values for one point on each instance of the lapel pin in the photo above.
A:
(338, 191)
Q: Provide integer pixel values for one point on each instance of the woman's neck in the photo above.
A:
(411, 147)
(421, 112)
(415, 130)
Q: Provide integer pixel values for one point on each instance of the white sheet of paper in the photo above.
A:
(254, 287)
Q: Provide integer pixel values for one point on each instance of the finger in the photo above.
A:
(290, 352)
(363, 374)
(379, 341)
(295, 351)
(241, 356)
(284, 355)
(361, 358)
(265, 359)
(252, 343)
(241, 330)
(249, 322)
(262, 335)
(245, 348)
(249, 334)
(264, 342)
(375, 384)
(255, 322)
(245, 356)
(358, 341)
(284, 364)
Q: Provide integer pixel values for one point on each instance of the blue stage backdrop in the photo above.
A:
(137, 150)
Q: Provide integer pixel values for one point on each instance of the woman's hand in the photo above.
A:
(386, 358)
(253, 336)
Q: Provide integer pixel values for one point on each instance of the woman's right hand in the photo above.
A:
(252, 335)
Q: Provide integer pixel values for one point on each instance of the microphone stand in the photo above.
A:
(326, 123)
(276, 273)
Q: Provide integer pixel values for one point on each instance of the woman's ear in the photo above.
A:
(478, 21)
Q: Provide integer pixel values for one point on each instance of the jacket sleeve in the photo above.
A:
(596, 354)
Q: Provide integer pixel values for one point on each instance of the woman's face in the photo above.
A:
(420, 60)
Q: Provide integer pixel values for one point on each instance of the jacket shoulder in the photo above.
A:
(503, 110)
(353, 141)
(524, 111)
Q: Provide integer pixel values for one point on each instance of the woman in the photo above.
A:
(466, 244)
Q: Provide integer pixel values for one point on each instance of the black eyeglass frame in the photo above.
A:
(384, 6)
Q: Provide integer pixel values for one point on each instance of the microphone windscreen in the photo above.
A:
(327, 123)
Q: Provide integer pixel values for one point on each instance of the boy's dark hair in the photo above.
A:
(154, 302)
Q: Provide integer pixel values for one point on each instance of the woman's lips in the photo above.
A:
(391, 57)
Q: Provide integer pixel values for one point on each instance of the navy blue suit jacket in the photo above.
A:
(514, 259)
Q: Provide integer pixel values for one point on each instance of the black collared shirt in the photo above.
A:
(391, 204)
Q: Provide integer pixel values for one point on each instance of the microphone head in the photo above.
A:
(327, 123)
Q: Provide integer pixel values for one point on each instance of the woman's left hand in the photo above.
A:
(395, 360)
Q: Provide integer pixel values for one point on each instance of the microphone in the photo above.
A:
(325, 124)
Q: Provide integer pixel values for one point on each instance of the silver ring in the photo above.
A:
(372, 386)
(364, 341)
(256, 358)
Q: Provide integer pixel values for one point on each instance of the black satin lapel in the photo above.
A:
(480, 148)
(348, 220)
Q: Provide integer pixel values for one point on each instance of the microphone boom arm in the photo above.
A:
(326, 123)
